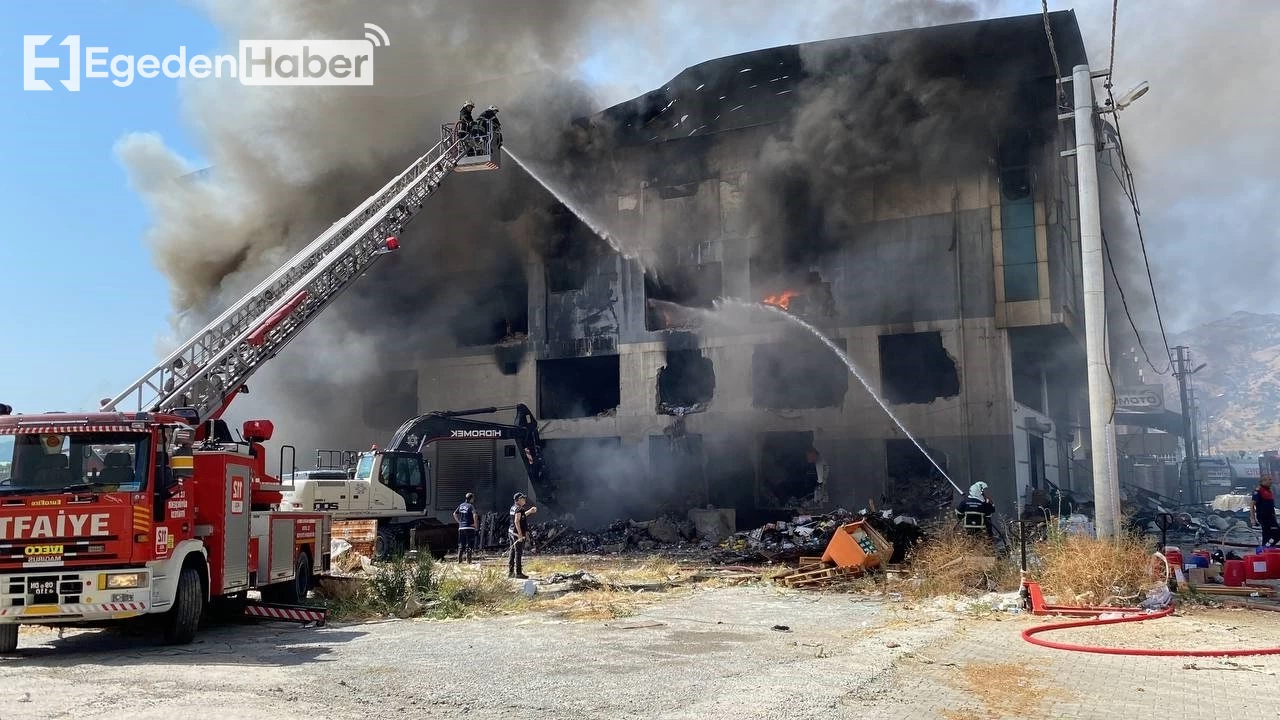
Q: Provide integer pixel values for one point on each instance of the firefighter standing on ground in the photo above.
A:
(468, 527)
(518, 534)
(975, 511)
(1263, 511)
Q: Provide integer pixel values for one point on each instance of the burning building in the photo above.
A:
(901, 192)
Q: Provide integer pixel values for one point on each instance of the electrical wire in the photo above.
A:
(1132, 195)
(1111, 65)
(1053, 52)
(1129, 187)
(1106, 249)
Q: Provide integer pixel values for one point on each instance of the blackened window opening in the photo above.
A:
(916, 368)
(784, 468)
(684, 285)
(686, 381)
(573, 252)
(576, 465)
(799, 375)
(497, 313)
(578, 387)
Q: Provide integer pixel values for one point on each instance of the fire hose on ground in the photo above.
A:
(1038, 606)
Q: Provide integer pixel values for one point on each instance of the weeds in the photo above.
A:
(412, 586)
(954, 562)
(1075, 569)
(1079, 569)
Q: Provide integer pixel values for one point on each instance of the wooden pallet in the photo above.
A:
(808, 577)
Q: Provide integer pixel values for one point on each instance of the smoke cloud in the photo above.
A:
(1202, 150)
(289, 161)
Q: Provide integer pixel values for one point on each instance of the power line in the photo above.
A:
(1053, 52)
(1111, 66)
(1130, 189)
(1131, 193)
(1125, 303)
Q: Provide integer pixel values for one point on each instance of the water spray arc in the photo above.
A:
(573, 207)
(853, 369)
(596, 228)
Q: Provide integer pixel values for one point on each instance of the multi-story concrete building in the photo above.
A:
(902, 192)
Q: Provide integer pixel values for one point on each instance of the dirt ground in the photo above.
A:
(750, 651)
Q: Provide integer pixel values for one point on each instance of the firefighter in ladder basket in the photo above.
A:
(489, 122)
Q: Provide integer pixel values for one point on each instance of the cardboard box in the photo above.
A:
(1197, 577)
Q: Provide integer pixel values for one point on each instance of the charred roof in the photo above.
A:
(761, 87)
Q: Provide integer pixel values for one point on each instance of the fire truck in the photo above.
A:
(149, 507)
(415, 483)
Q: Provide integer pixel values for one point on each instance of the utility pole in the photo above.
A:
(1189, 465)
(1106, 488)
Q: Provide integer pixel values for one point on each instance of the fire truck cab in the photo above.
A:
(109, 516)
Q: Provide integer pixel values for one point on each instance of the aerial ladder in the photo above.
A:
(200, 377)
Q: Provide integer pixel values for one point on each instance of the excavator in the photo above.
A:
(413, 484)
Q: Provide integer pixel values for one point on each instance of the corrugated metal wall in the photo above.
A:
(464, 466)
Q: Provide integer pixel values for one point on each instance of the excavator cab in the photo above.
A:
(481, 145)
(405, 474)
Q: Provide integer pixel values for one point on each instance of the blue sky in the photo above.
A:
(90, 304)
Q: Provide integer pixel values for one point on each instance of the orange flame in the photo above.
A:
(782, 299)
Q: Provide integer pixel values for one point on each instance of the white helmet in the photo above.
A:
(493, 108)
(468, 104)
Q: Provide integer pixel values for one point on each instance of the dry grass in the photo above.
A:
(950, 563)
(591, 604)
(615, 570)
(1083, 570)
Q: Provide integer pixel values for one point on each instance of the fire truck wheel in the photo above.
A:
(182, 621)
(8, 638)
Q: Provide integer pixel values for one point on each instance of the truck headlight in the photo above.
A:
(122, 581)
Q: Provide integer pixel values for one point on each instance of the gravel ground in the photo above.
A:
(706, 653)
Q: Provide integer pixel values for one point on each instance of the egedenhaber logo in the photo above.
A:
(259, 62)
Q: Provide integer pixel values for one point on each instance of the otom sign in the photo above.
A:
(1142, 399)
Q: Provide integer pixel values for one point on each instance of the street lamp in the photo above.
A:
(1127, 99)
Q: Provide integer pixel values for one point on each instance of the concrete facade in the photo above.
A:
(924, 253)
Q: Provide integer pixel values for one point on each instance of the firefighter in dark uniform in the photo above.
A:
(465, 120)
(975, 511)
(468, 527)
(489, 121)
(518, 534)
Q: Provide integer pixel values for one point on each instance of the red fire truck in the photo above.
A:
(150, 507)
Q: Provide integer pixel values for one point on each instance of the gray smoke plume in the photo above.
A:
(289, 161)
(1203, 150)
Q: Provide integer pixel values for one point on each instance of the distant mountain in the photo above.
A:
(1239, 388)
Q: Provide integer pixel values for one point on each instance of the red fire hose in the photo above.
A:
(1039, 607)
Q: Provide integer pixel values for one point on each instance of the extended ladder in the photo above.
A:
(207, 370)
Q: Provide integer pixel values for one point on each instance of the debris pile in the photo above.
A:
(618, 537)
(807, 535)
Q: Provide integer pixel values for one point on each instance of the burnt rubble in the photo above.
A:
(618, 537)
(775, 542)
(808, 535)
